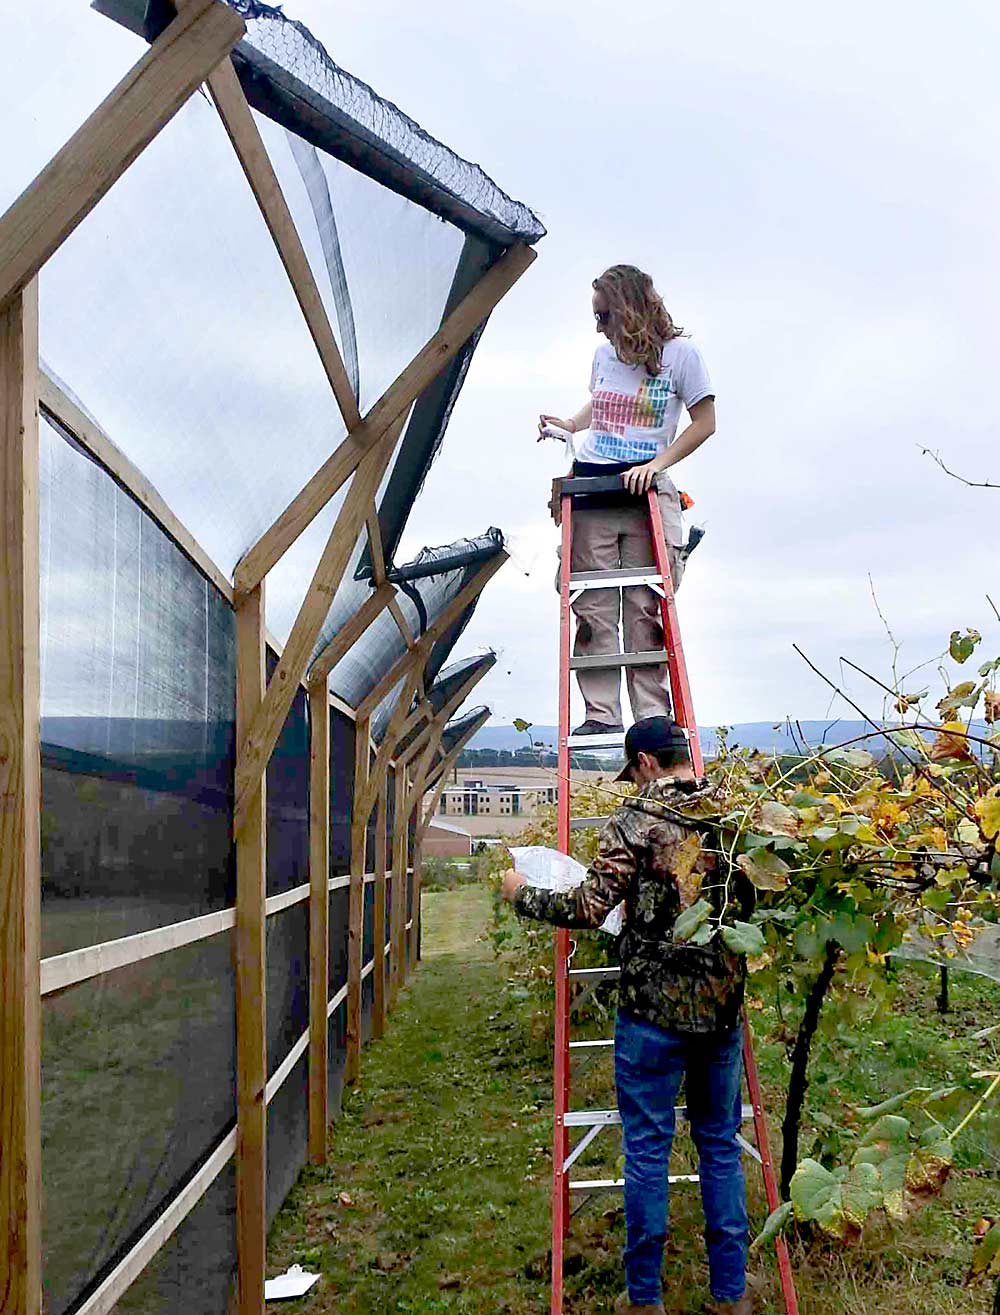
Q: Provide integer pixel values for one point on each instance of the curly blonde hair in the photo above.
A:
(639, 324)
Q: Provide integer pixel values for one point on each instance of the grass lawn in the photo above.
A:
(436, 1195)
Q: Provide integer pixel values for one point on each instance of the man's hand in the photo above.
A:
(511, 884)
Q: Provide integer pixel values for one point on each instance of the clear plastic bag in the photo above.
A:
(551, 870)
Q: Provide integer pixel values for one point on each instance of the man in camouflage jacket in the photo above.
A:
(679, 1009)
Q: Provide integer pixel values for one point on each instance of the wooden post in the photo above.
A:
(251, 1030)
(319, 906)
(20, 813)
(356, 898)
(378, 1017)
(399, 885)
(261, 736)
(417, 860)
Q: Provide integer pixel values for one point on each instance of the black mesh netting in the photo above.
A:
(426, 586)
(461, 729)
(440, 692)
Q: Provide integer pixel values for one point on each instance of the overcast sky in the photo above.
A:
(815, 194)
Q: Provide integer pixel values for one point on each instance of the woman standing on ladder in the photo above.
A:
(642, 377)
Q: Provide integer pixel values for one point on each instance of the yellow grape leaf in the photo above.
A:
(951, 741)
(988, 812)
(992, 701)
(967, 832)
(683, 864)
(766, 870)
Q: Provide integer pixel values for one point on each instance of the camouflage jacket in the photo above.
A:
(659, 865)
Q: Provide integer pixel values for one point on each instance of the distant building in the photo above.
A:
(480, 799)
(442, 840)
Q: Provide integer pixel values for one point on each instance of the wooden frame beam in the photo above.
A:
(391, 408)
(415, 800)
(251, 975)
(103, 147)
(440, 719)
(402, 625)
(419, 654)
(381, 845)
(409, 668)
(356, 898)
(445, 765)
(64, 413)
(319, 917)
(400, 886)
(257, 744)
(20, 812)
(245, 136)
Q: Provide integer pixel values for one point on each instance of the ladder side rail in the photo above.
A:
(679, 684)
(767, 1168)
(560, 1141)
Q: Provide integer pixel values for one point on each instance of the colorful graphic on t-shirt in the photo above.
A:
(615, 412)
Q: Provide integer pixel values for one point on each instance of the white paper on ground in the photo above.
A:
(295, 1282)
(551, 870)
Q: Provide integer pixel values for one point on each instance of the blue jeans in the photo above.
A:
(649, 1065)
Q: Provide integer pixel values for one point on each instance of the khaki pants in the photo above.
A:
(612, 540)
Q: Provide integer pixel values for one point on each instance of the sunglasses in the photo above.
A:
(602, 317)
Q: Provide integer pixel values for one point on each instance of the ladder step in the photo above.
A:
(594, 974)
(619, 579)
(585, 823)
(613, 740)
(595, 1184)
(609, 1118)
(598, 661)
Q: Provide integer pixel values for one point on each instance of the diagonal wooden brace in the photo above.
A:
(392, 406)
(256, 746)
(245, 136)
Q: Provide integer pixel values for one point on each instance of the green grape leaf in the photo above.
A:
(774, 1225)
(743, 938)
(691, 919)
(961, 646)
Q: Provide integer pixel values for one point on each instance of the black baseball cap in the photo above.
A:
(653, 735)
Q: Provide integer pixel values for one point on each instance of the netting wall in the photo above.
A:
(169, 316)
(138, 708)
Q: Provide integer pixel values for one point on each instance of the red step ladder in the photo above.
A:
(591, 1122)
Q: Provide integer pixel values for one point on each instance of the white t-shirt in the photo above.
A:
(635, 414)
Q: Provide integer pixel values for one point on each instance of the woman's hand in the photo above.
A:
(544, 420)
(640, 479)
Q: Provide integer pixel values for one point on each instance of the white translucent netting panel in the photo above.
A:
(384, 265)
(169, 313)
(118, 603)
